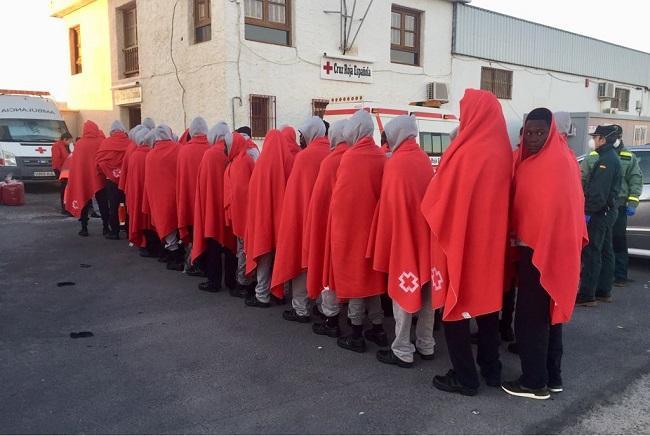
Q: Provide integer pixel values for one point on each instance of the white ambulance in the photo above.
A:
(29, 124)
(435, 125)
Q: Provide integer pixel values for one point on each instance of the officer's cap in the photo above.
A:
(606, 131)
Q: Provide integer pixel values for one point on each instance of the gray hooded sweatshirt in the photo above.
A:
(312, 128)
(218, 132)
(117, 126)
(335, 134)
(163, 133)
(149, 123)
(400, 129)
(198, 126)
(359, 126)
(149, 138)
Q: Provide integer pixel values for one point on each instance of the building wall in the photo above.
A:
(534, 88)
(208, 71)
(90, 90)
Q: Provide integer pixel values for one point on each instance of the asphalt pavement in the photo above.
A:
(167, 358)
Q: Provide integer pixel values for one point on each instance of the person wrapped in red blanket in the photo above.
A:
(466, 206)
(549, 230)
(399, 242)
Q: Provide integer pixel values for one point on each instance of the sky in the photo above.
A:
(35, 56)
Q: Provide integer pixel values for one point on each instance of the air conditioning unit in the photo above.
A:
(606, 91)
(611, 110)
(438, 91)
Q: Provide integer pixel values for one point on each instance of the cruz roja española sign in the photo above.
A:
(346, 70)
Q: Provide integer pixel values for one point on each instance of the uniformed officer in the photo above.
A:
(628, 200)
(601, 183)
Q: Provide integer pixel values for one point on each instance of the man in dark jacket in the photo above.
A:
(601, 186)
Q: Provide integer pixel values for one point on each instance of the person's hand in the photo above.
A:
(587, 218)
(630, 211)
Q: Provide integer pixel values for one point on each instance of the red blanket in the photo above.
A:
(466, 206)
(288, 256)
(187, 175)
(85, 178)
(184, 139)
(548, 216)
(160, 187)
(138, 221)
(125, 166)
(59, 154)
(354, 199)
(400, 237)
(315, 232)
(289, 134)
(265, 195)
(111, 154)
(236, 180)
(209, 214)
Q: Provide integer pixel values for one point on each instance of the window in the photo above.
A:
(129, 19)
(75, 50)
(404, 36)
(499, 82)
(202, 22)
(268, 21)
(640, 135)
(644, 162)
(262, 109)
(621, 99)
(318, 107)
(434, 144)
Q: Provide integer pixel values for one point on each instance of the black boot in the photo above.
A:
(353, 342)
(83, 231)
(209, 287)
(377, 335)
(329, 327)
(177, 260)
(239, 291)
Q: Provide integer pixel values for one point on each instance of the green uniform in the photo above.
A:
(628, 197)
(602, 184)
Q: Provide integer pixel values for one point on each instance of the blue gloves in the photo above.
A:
(587, 218)
(630, 211)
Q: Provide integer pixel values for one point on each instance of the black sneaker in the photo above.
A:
(516, 389)
(209, 287)
(388, 357)
(555, 388)
(83, 232)
(194, 271)
(424, 356)
(357, 344)
(325, 329)
(586, 302)
(604, 299)
(449, 383)
(292, 315)
(237, 292)
(252, 301)
(378, 336)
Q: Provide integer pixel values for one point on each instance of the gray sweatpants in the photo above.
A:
(329, 303)
(299, 299)
(357, 309)
(424, 342)
(242, 278)
(264, 269)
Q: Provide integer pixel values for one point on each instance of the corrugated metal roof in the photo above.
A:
(489, 35)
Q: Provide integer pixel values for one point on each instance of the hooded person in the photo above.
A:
(211, 235)
(140, 228)
(288, 257)
(236, 180)
(149, 123)
(60, 152)
(466, 206)
(187, 174)
(85, 180)
(399, 242)
(265, 196)
(125, 162)
(548, 227)
(160, 194)
(353, 203)
(251, 148)
(315, 234)
(110, 158)
(289, 134)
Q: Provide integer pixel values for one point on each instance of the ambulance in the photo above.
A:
(29, 124)
(435, 125)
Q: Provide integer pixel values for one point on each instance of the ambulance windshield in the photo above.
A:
(30, 130)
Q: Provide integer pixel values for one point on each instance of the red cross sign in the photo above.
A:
(328, 67)
(41, 150)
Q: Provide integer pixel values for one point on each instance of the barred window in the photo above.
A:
(262, 114)
(621, 99)
(318, 107)
(499, 82)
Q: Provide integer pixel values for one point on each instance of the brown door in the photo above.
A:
(135, 117)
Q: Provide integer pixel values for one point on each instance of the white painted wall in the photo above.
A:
(534, 88)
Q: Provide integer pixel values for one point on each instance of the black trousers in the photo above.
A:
(62, 184)
(114, 197)
(152, 241)
(230, 269)
(213, 265)
(508, 309)
(102, 202)
(539, 342)
(598, 262)
(619, 242)
(457, 335)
